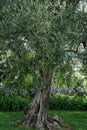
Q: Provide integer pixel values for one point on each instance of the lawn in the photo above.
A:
(75, 118)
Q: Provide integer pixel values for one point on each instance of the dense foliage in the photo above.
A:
(36, 38)
(11, 103)
(44, 34)
(68, 103)
(18, 103)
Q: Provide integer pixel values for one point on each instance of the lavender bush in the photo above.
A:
(12, 91)
(69, 91)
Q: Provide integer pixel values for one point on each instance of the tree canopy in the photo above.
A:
(50, 30)
(46, 33)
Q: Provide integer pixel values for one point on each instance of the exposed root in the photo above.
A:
(36, 115)
(57, 122)
(39, 119)
(52, 123)
(18, 122)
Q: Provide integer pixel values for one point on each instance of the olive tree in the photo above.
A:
(50, 31)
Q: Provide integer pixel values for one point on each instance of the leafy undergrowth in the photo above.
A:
(76, 119)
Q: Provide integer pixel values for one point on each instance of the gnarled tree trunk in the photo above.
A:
(36, 113)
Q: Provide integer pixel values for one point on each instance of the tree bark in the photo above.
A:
(36, 113)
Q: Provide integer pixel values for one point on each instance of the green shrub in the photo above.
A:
(17, 103)
(11, 103)
(67, 103)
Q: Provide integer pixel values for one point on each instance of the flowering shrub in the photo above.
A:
(64, 99)
(69, 91)
(17, 103)
(13, 100)
(13, 91)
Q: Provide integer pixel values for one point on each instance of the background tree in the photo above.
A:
(50, 30)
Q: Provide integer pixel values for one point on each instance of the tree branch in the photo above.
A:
(70, 50)
(69, 2)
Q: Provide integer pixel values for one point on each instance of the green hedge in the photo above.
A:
(68, 103)
(11, 103)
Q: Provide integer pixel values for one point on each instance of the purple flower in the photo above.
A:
(86, 91)
(55, 90)
(58, 90)
(1, 87)
(7, 92)
(72, 91)
(24, 92)
(65, 91)
(52, 90)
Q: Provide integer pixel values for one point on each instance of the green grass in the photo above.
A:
(75, 118)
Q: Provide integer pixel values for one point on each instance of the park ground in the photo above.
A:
(77, 119)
